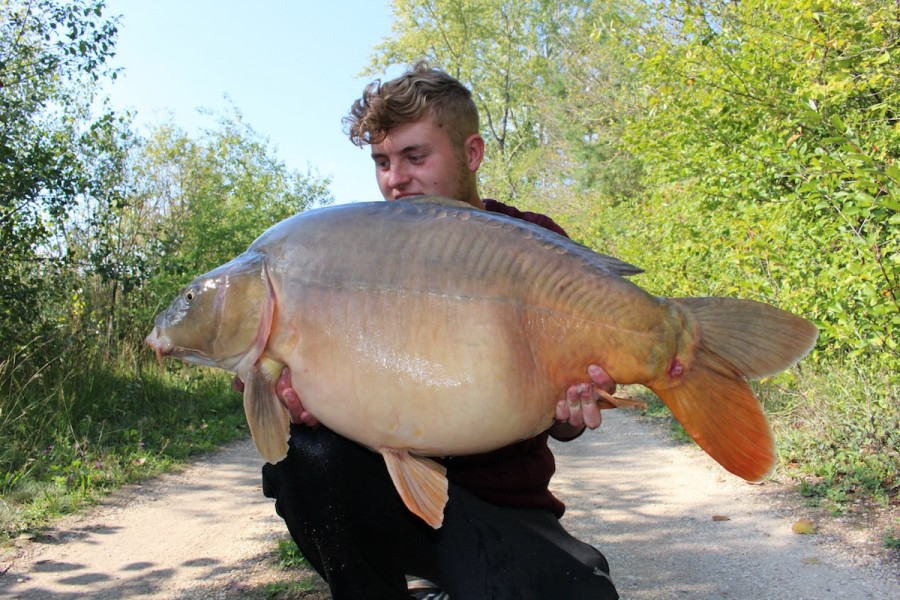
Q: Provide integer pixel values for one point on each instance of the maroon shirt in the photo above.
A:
(516, 475)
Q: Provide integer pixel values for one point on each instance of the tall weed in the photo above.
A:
(838, 430)
(81, 423)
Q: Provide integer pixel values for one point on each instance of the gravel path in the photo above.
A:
(670, 521)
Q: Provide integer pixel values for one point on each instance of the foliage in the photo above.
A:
(50, 54)
(770, 137)
(79, 411)
(100, 227)
(838, 430)
(183, 205)
(892, 541)
(585, 99)
(289, 555)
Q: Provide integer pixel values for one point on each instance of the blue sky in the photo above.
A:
(291, 67)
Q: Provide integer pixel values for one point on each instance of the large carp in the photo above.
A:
(430, 328)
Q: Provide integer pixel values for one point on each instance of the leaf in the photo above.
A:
(893, 171)
(889, 202)
(803, 527)
(837, 123)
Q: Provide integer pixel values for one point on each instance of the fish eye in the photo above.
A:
(189, 295)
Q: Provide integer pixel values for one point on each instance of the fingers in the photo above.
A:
(562, 411)
(601, 379)
(580, 408)
(574, 403)
(291, 400)
(288, 396)
(590, 413)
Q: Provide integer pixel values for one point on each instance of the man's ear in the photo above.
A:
(474, 146)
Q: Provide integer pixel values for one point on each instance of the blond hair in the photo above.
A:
(422, 90)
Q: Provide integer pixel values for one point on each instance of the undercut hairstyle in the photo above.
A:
(422, 90)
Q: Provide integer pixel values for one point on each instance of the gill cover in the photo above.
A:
(221, 319)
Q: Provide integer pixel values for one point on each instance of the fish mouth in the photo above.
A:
(161, 344)
(165, 347)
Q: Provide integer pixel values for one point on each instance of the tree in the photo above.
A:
(552, 90)
(50, 55)
(589, 95)
(182, 205)
(770, 135)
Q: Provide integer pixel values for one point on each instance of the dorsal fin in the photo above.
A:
(441, 200)
(605, 262)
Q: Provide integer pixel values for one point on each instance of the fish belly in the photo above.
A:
(437, 376)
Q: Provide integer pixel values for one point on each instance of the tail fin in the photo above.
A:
(738, 340)
(757, 339)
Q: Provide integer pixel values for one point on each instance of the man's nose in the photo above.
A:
(398, 176)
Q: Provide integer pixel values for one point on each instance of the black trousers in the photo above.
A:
(343, 512)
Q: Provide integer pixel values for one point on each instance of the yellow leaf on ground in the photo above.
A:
(803, 527)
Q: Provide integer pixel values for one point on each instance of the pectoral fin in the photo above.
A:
(269, 421)
(421, 483)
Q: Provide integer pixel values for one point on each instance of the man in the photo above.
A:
(501, 536)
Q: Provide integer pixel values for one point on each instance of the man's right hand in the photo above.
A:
(289, 398)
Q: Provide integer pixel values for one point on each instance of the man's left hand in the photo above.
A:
(579, 409)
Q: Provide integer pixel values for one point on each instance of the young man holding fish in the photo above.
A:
(501, 536)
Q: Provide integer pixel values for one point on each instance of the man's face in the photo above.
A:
(419, 158)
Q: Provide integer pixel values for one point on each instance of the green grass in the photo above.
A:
(892, 540)
(304, 579)
(838, 433)
(74, 428)
(289, 556)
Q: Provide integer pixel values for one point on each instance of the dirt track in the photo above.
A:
(670, 521)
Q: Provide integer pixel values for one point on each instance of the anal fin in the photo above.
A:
(421, 483)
